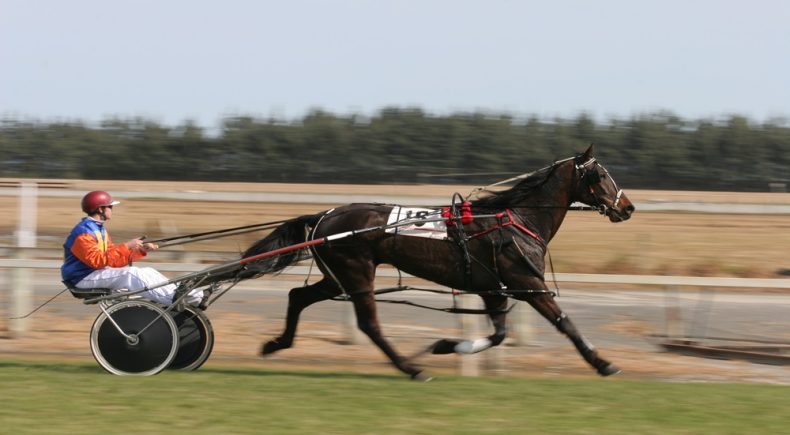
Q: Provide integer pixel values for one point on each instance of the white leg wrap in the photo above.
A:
(468, 346)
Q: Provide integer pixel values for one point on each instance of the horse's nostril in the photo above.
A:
(630, 208)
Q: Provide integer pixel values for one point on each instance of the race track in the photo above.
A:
(623, 325)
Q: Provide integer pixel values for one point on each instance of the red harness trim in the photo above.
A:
(466, 214)
(510, 222)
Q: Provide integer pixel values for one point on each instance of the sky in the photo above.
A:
(173, 61)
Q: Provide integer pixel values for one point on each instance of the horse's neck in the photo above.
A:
(547, 207)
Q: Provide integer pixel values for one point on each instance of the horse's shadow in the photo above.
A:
(298, 374)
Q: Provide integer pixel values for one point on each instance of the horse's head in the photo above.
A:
(597, 188)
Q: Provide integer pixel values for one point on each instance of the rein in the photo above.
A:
(190, 238)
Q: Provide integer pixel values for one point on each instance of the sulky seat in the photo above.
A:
(87, 293)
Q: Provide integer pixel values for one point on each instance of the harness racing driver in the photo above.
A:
(90, 260)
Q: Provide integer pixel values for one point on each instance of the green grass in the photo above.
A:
(45, 397)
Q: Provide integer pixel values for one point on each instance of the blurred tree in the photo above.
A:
(658, 150)
(775, 141)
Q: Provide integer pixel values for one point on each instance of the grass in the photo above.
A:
(44, 397)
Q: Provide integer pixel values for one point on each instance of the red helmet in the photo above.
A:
(98, 198)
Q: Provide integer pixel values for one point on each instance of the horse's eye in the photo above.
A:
(592, 177)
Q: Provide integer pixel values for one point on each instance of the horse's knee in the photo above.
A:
(564, 325)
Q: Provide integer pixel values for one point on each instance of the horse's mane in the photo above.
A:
(517, 193)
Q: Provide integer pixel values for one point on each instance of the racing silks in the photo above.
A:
(89, 247)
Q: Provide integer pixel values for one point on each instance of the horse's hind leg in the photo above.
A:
(367, 320)
(546, 306)
(298, 299)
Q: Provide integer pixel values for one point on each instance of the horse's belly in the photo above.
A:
(439, 261)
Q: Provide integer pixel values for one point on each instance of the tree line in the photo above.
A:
(404, 145)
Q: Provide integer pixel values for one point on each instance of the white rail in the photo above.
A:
(585, 278)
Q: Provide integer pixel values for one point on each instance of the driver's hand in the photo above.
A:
(148, 247)
(138, 245)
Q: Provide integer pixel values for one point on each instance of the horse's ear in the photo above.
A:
(589, 153)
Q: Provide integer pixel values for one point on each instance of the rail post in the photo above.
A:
(522, 324)
(469, 364)
(674, 321)
(21, 283)
(353, 334)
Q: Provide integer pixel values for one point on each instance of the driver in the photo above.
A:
(92, 261)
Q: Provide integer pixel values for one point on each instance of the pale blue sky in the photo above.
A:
(172, 60)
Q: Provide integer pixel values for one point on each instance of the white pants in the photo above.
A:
(134, 278)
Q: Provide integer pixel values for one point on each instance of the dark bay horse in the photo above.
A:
(497, 256)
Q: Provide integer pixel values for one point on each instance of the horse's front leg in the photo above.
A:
(368, 322)
(496, 305)
(544, 303)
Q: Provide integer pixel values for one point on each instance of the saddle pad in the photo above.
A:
(431, 230)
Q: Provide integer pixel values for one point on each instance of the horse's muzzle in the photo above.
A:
(621, 211)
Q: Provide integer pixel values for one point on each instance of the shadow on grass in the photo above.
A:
(300, 373)
(86, 368)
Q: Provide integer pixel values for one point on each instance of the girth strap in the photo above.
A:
(458, 214)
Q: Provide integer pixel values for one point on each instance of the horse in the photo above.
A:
(498, 255)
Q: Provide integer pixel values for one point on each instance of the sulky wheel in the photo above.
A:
(195, 338)
(137, 338)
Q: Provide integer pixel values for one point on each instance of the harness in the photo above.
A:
(455, 216)
(459, 213)
(504, 220)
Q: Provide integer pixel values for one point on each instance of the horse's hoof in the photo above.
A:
(270, 347)
(609, 370)
(422, 377)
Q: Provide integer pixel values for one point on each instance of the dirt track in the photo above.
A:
(321, 346)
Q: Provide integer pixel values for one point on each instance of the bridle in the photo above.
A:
(584, 171)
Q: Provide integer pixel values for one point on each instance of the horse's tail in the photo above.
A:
(290, 233)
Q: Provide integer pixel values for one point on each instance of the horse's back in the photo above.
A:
(352, 217)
